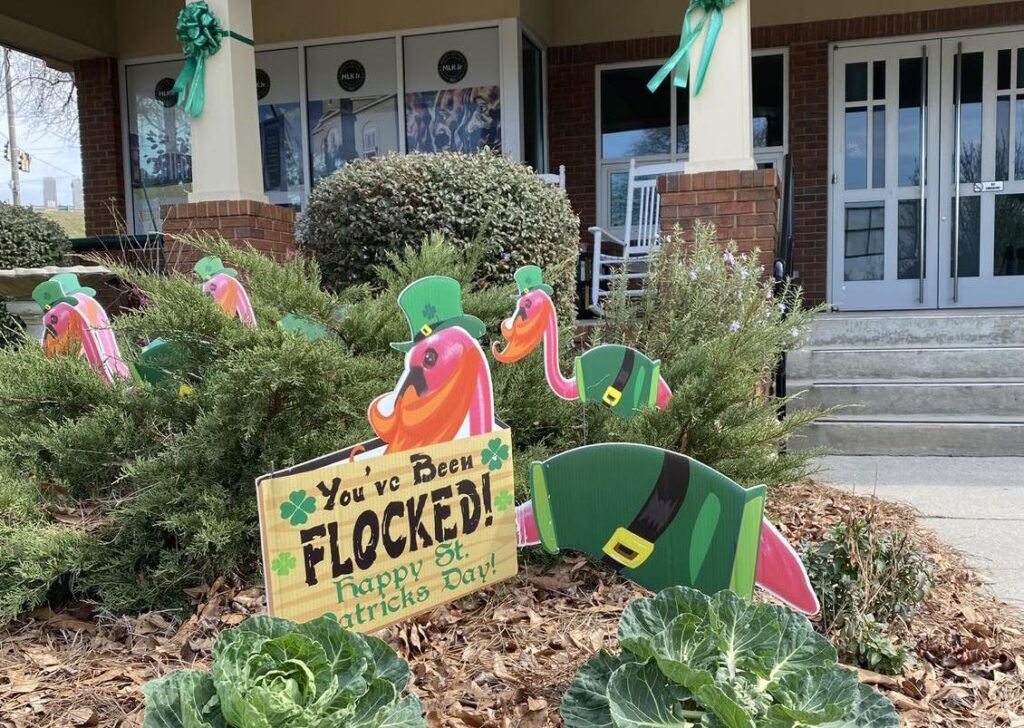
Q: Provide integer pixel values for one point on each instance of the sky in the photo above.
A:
(51, 155)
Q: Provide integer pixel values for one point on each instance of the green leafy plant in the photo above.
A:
(692, 660)
(272, 673)
(371, 207)
(871, 581)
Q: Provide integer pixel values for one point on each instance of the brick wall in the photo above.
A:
(269, 228)
(742, 205)
(571, 94)
(99, 124)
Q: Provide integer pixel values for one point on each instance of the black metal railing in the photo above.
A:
(783, 270)
(144, 251)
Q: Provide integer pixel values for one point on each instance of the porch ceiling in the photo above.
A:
(61, 31)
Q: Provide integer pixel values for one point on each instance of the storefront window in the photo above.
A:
(452, 91)
(159, 143)
(277, 93)
(352, 91)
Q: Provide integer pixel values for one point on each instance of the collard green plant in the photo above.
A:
(272, 673)
(691, 660)
(871, 581)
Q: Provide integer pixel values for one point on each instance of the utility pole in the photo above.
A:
(9, 84)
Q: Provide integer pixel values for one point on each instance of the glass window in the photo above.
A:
(970, 238)
(911, 90)
(683, 121)
(768, 80)
(533, 104)
(452, 91)
(277, 94)
(972, 73)
(856, 148)
(856, 82)
(159, 143)
(634, 122)
(352, 92)
(865, 242)
(908, 248)
(1008, 241)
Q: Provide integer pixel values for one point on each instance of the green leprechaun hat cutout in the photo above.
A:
(531, 278)
(434, 303)
(210, 266)
(658, 517)
(60, 288)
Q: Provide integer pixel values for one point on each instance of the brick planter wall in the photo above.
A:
(572, 115)
(269, 228)
(742, 205)
(99, 126)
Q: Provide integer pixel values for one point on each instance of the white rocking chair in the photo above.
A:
(558, 180)
(639, 240)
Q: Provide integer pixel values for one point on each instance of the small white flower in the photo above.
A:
(693, 275)
(734, 326)
(794, 332)
(744, 274)
(782, 307)
(707, 267)
(729, 258)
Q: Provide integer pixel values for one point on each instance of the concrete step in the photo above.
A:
(993, 327)
(909, 398)
(840, 364)
(912, 437)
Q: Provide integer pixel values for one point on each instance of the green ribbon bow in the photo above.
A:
(200, 34)
(679, 64)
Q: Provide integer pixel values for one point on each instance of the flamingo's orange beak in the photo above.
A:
(523, 332)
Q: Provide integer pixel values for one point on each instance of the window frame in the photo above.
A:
(510, 33)
(604, 168)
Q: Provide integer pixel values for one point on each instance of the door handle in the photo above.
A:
(958, 81)
(924, 174)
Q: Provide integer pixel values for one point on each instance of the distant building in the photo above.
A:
(77, 198)
(50, 193)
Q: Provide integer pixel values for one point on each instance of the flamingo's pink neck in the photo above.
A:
(564, 388)
(481, 409)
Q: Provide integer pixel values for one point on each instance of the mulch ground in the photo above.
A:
(504, 656)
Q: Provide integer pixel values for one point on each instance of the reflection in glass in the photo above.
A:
(341, 130)
(909, 166)
(908, 239)
(878, 147)
(634, 122)
(972, 75)
(768, 85)
(1019, 148)
(878, 81)
(970, 238)
(865, 242)
(856, 149)
(533, 104)
(683, 121)
(1003, 138)
(856, 81)
(618, 184)
(1008, 242)
(159, 143)
(281, 127)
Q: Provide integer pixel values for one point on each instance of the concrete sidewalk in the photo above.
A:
(973, 504)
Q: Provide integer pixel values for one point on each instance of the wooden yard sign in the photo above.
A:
(421, 515)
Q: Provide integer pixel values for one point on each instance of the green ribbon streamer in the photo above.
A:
(200, 34)
(679, 64)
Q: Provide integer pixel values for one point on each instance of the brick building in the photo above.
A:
(869, 99)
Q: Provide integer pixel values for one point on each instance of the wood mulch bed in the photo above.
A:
(503, 657)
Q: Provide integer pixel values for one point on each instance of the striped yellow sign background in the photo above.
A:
(458, 529)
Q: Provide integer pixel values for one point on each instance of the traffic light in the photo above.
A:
(24, 162)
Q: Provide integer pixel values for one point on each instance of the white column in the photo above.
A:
(721, 125)
(226, 161)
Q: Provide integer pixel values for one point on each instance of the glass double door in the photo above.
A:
(928, 183)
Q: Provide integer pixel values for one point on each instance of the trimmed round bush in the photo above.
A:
(372, 206)
(29, 239)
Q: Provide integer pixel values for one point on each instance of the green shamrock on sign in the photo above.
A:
(296, 511)
(495, 454)
(283, 564)
(503, 501)
(430, 312)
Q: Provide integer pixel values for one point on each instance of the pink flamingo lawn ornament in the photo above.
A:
(626, 381)
(75, 322)
(445, 392)
(223, 285)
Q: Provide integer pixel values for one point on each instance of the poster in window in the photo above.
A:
(277, 91)
(452, 91)
(353, 107)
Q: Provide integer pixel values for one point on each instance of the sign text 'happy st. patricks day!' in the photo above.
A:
(377, 540)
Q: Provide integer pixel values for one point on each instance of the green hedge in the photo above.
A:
(373, 206)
